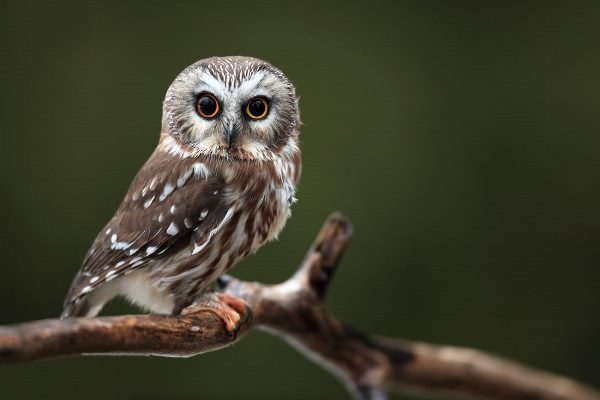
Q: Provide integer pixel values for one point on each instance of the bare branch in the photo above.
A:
(293, 310)
(172, 336)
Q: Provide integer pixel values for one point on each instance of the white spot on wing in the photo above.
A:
(167, 190)
(184, 177)
(203, 214)
(113, 238)
(153, 183)
(121, 245)
(172, 229)
(94, 279)
(150, 250)
(214, 231)
(149, 202)
(110, 275)
(173, 209)
(198, 249)
(201, 171)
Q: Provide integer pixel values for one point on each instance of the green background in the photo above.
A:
(462, 139)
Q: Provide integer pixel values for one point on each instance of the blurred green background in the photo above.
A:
(462, 139)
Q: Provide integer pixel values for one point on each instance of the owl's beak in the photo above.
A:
(230, 134)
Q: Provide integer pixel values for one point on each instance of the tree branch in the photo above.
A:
(293, 310)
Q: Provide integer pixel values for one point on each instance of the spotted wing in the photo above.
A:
(172, 202)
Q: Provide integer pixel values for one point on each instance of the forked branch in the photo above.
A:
(369, 366)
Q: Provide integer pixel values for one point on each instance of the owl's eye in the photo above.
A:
(257, 108)
(207, 106)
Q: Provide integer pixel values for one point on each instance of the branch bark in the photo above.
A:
(369, 366)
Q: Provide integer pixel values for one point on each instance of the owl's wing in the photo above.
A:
(172, 202)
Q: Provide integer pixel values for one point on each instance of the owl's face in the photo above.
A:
(237, 107)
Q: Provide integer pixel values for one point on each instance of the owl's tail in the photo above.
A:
(80, 307)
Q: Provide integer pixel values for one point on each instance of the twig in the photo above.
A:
(293, 310)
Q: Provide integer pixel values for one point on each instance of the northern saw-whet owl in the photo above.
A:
(219, 185)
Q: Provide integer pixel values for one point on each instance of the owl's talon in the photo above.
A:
(232, 310)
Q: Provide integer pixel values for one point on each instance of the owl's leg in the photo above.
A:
(232, 310)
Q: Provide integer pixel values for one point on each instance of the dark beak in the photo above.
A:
(230, 134)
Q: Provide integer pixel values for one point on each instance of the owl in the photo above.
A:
(219, 185)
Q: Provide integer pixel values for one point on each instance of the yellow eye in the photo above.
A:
(207, 106)
(257, 108)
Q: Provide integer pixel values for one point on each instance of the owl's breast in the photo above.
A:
(258, 205)
(275, 208)
(278, 212)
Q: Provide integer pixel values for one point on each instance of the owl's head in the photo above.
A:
(238, 107)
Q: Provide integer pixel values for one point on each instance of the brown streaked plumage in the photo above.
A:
(219, 184)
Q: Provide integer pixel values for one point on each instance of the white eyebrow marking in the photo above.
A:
(215, 85)
(250, 84)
